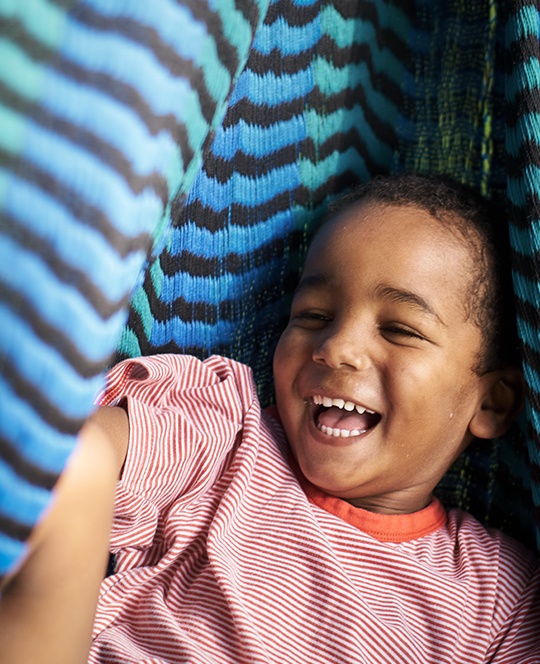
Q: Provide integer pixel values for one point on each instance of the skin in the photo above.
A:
(378, 321)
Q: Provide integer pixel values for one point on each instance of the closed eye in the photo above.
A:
(308, 315)
(401, 331)
(311, 318)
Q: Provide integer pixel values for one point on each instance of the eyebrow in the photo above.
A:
(410, 298)
(312, 282)
(319, 281)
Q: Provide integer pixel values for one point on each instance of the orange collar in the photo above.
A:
(382, 527)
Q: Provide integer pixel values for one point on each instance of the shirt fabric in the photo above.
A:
(224, 554)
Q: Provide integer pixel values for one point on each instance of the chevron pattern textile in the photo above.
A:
(523, 169)
(105, 107)
(313, 112)
(164, 164)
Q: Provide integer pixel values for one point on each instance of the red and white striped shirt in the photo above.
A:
(223, 555)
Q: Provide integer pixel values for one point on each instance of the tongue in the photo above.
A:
(336, 418)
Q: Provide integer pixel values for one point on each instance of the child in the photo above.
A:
(311, 534)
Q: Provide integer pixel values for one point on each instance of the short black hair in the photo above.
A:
(483, 225)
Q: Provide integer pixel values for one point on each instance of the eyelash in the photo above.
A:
(312, 316)
(395, 329)
(392, 329)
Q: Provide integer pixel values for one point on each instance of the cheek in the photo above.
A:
(418, 387)
(288, 350)
(282, 361)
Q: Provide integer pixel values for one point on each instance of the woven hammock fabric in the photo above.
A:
(523, 168)
(105, 107)
(168, 162)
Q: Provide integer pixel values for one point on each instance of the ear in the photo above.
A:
(503, 397)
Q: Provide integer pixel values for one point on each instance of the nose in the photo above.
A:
(342, 347)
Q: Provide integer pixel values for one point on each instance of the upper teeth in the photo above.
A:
(327, 402)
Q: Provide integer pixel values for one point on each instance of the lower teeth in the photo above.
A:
(340, 433)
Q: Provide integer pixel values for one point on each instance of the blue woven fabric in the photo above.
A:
(105, 107)
(523, 172)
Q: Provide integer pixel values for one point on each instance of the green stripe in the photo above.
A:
(4, 183)
(19, 72)
(156, 273)
(235, 27)
(346, 32)
(343, 120)
(128, 345)
(140, 303)
(45, 21)
(315, 175)
(523, 24)
(13, 130)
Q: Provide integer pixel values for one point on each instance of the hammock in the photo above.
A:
(163, 166)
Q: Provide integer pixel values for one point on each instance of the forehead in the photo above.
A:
(399, 245)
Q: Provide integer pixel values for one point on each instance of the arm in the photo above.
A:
(47, 607)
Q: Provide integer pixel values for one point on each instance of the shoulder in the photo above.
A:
(490, 552)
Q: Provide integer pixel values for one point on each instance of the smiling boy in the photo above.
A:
(381, 325)
(315, 536)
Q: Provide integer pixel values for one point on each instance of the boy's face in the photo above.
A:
(379, 322)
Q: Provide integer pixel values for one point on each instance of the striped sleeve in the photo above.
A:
(185, 419)
(105, 106)
(518, 639)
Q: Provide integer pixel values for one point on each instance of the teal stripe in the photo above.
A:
(344, 120)
(529, 334)
(20, 73)
(526, 240)
(524, 76)
(533, 379)
(287, 39)
(332, 80)
(527, 289)
(522, 24)
(315, 175)
(236, 29)
(45, 21)
(13, 134)
(157, 276)
(519, 189)
(526, 129)
(346, 32)
(129, 346)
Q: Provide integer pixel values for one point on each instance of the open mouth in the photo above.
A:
(343, 419)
